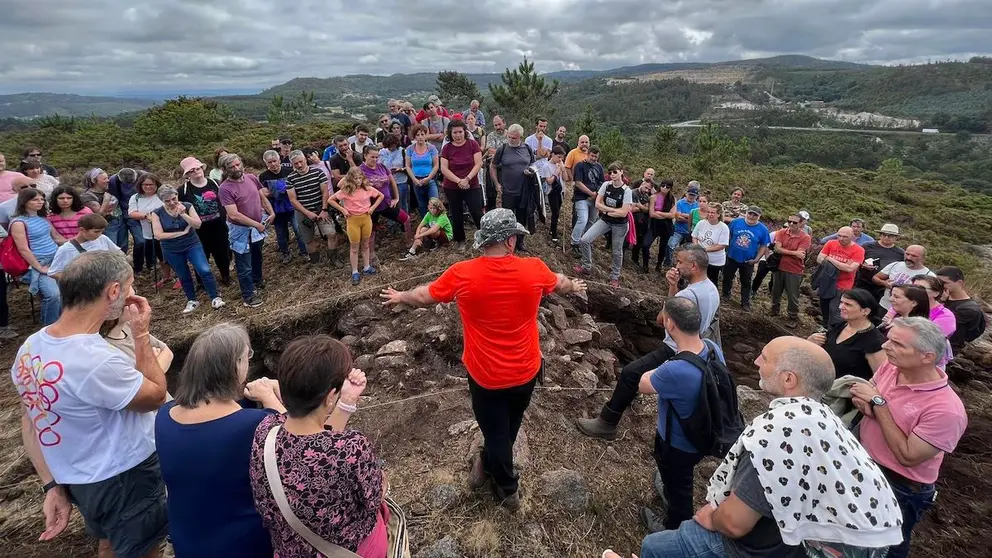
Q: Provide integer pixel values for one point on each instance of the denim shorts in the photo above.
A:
(128, 509)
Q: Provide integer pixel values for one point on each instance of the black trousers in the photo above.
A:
(746, 271)
(213, 236)
(713, 272)
(555, 199)
(630, 376)
(656, 230)
(4, 310)
(676, 468)
(458, 200)
(830, 310)
(518, 204)
(759, 277)
(499, 413)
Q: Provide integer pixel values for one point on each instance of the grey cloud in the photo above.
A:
(115, 45)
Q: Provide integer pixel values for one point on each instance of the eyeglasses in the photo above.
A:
(383, 122)
(791, 222)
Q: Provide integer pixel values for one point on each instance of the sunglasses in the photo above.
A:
(791, 222)
(383, 122)
(34, 154)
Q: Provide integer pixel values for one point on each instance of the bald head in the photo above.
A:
(845, 235)
(915, 256)
(583, 143)
(794, 367)
(648, 174)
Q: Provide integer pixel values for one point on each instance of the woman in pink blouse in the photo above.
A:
(66, 210)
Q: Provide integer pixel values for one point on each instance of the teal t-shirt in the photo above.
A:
(441, 220)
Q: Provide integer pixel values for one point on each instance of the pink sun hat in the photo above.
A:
(190, 163)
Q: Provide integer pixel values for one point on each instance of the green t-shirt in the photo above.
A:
(441, 220)
(694, 217)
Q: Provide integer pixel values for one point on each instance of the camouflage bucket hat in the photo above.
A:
(497, 226)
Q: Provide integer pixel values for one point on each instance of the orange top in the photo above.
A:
(575, 157)
(498, 300)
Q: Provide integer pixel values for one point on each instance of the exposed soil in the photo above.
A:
(418, 415)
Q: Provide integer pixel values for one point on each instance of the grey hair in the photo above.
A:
(165, 192)
(226, 161)
(86, 277)
(210, 372)
(270, 155)
(128, 175)
(685, 313)
(296, 153)
(929, 337)
(815, 372)
(696, 255)
(517, 128)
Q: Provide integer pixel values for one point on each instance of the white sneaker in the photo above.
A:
(217, 303)
(190, 306)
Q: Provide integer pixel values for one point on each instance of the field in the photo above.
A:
(417, 411)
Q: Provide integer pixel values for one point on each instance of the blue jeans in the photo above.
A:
(194, 256)
(249, 268)
(585, 216)
(404, 191)
(913, 506)
(424, 195)
(689, 541)
(47, 290)
(281, 223)
(674, 242)
(117, 231)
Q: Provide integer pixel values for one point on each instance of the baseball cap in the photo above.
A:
(805, 215)
(286, 140)
(754, 209)
(434, 99)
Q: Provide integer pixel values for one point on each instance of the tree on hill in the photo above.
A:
(185, 122)
(300, 109)
(586, 126)
(524, 95)
(456, 90)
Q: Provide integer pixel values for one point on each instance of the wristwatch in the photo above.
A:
(49, 486)
(877, 401)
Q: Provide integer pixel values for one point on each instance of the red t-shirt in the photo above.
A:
(802, 241)
(852, 253)
(461, 160)
(498, 300)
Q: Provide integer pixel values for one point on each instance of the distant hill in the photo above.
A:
(33, 105)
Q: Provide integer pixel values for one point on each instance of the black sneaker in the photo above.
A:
(286, 258)
(253, 302)
(651, 521)
(260, 284)
(746, 307)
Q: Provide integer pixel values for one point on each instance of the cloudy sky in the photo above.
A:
(111, 46)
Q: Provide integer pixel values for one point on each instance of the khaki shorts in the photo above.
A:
(308, 228)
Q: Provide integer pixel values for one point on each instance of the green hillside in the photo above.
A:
(33, 105)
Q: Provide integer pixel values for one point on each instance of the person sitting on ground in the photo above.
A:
(434, 230)
(714, 236)
(37, 242)
(791, 244)
(691, 264)
(677, 383)
(734, 207)
(878, 256)
(797, 483)
(854, 344)
(174, 225)
(90, 238)
(66, 209)
(92, 446)
(843, 254)
(749, 240)
(912, 418)
(858, 236)
(356, 199)
(901, 273)
(498, 295)
(341, 500)
(204, 439)
(613, 202)
(968, 314)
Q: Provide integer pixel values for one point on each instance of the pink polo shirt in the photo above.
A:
(932, 411)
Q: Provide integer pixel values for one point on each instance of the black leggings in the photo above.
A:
(657, 228)
(213, 236)
(458, 200)
(4, 310)
(555, 199)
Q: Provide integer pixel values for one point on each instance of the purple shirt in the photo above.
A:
(244, 194)
(379, 178)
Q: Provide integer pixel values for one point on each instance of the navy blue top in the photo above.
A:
(176, 224)
(205, 469)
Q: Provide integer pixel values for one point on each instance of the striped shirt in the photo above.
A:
(307, 188)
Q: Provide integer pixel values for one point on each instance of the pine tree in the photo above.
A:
(524, 95)
(586, 126)
(456, 89)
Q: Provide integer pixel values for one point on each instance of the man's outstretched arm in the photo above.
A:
(419, 296)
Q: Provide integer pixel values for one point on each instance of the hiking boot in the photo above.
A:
(191, 305)
(286, 258)
(253, 302)
(615, 283)
(659, 487)
(7, 332)
(580, 271)
(651, 521)
(477, 477)
(597, 428)
(746, 307)
(260, 284)
(511, 502)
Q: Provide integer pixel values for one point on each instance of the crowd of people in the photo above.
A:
(230, 467)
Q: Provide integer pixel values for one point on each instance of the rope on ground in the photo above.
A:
(455, 390)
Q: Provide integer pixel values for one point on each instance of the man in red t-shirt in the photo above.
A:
(791, 244)
(847, 257)
(497, 295)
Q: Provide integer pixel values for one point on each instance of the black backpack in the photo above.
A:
(716, 423)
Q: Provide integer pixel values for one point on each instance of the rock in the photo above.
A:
(420, 312)
(558, 316)
(586, 378)
(392, 361)
(462, 427)
(443, 309)
(349, 340)
(565, 358)
(624, 302)
(565, 489)
(752, 402)
(548, 346)
(444, 548)
(455, 380)
(743, 348)
(398, 347)
(644, 344)
(609, 336)
(352, 323)
(380, 336)
(442, 496)
(363, 310)
(587, 321)
(577, 336)
(958, 373)
(541, 330)
(592, 357)
(435, 332)
(364, 362)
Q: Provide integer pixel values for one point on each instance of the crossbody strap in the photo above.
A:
(328, 549)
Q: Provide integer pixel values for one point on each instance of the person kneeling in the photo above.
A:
(434, 231)
(356, 199)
